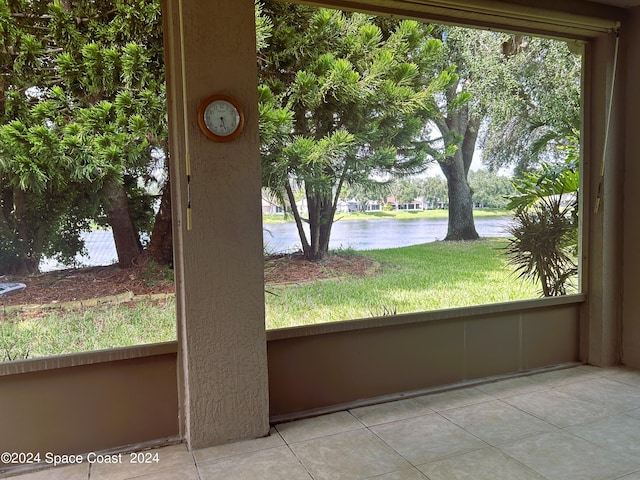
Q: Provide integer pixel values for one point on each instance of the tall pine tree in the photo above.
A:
(82, 125)
(358, 91)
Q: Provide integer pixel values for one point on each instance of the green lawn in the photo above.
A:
(418, 278)
(58, 331)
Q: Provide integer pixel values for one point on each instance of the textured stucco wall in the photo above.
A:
(631, 272)
(602, 242)
(222, 341)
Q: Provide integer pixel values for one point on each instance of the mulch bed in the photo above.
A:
(80, 284)
(87, 283)
(285, 269)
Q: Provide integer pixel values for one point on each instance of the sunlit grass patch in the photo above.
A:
(411, 279)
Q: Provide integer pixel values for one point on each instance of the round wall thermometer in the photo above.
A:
(220, 118)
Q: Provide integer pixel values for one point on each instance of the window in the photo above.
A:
(373, 167)
(83, 152)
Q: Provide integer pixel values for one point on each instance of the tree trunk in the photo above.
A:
(306, 248)
(461, 224)
(160, 247)
(126, 237)
(456, 170)
(321, 215)
(26, 261)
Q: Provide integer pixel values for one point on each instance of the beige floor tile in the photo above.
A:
(391, 411)
(168, 458)
(616, 396)
(632, 476)
(598, 408)
(67, 472)
(486, 464)
(427, 438)
(213, 453)
(618, 433)
(634, 413)
(626, 375)
(309, 428)
(270, 464)
(351, 455)
(496, 422)
(558, 408)
(565, 376)
(404, 474)
(512, 386)
(562, 456)
(179, 473)
(454, 398)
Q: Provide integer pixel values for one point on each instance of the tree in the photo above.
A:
(535, 117)
(42, 207)
(112, 66)
(367, 190)
(544, 243)
(477, 56)
(359, 91)
(90, 75)
(405, 190)
(490, 190)
(522, 92)
(434, 191)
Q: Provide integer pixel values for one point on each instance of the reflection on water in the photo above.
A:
(100, 247)
(283, 237)
(377, 234)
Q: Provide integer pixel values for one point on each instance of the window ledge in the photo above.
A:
(87, 358)
(476, 311)
(141, 351)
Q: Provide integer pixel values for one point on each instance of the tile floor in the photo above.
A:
(581, 423)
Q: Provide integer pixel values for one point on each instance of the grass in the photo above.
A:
(57, 331)
(397, 214)
(417, 278)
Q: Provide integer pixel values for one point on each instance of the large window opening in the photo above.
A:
(411, 166)
(85, 218)
(387, 146)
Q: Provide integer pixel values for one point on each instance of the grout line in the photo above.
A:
(299, 461)
(195, 464)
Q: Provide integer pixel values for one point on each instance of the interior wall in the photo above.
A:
(78, 409)
(631, 252)
(337, 365)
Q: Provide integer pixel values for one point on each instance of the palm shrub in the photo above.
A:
(544, 237)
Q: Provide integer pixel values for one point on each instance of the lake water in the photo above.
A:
(283, 237)
(376, 234)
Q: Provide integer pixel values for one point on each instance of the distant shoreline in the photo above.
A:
(394, 214)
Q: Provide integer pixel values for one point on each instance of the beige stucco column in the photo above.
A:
(210, 49)
(631, 251)
(602, 213)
